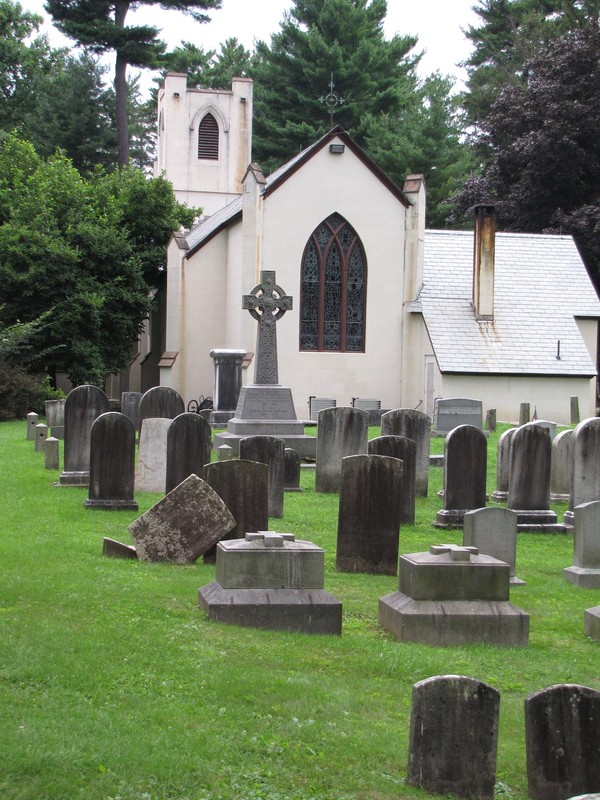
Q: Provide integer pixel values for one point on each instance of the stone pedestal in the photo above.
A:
(270, 580)
(592, 623)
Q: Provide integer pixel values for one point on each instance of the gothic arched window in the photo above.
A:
(208, 138)
(333, 287)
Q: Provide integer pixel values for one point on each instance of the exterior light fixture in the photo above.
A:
(337, 149)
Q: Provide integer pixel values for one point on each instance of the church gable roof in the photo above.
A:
(540, 288)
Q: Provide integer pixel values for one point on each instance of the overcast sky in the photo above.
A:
(437, 23)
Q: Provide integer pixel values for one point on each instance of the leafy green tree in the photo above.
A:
(101, 26)
(208, 68)
(85, 252)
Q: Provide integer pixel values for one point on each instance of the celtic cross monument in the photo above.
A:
(267, 303)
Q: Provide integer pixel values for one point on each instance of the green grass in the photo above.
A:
(113, 684)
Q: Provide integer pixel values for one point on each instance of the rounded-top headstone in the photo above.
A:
(161, 402)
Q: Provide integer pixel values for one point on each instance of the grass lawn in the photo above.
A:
(115, 686)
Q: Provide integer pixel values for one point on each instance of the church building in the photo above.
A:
(382, 308)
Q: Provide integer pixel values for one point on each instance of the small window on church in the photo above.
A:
(333, 289)
(208, 138)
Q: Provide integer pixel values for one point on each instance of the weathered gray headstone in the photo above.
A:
(269, 450)
(161, 402)
(228, 379)
(529, 477)
(41, 434)
(55, 417)
(500, 494)
(562, 739)
(490, 419)
(406, 450)
(112, 548)
(451, 412)
(83, 406)
(369, 515)
(561, 471)
(189, 446)
(524, 413)
(585, 571)
(151, 469)
(453, 738)
(130, 406)
(224, 452)
(51, 453)
(586, 465)
(183, 524)
(291, 472)
(32, 420)
(574, 408)
(343, 431)
(465, 472)
(244, 488)
(414, 425)
(112, 463)
(493, 531)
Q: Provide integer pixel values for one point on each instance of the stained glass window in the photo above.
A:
(333, 289)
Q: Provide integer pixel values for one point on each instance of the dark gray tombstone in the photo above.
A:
(585, 486)
(574, 408)
(465, 472)
(414, 425)
(529, 477)
(524, 413)
(453, 738)
(369, 515)
(189, 446)
(493, 531)
(562, 740)
(406, 450)
(112, 463)
(55, 417)
(291, 473)
(450, 412)
(228, 378)
(162, 402)
(343, 431)
(500, 494)
(83, 406)
(244, 488)
(268, 450)
(490, 419)
(561, 471)
(130, 406)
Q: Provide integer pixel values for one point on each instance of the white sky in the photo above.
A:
(437, 23)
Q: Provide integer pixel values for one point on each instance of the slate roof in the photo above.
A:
(540, 287)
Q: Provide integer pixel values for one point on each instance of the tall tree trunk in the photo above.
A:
(122, 117)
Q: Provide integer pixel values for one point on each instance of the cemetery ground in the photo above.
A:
(115, 685)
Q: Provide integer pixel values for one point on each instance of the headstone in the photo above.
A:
(151, 468)
(574, 407)
(529, 478)
(41, 434)
(406, 450)
(189, 446)
(592, 623)
(490, 419)
(465, 473)
(562, 740)
(452, 595)
(291, 471)
(268, 450)
(55, 417)
(224, 452)
(83, 406)
(112, 463)
(228, 383)
(51, 453)
(585, 571)
(451, 412)
(244, 488)
(130, 406)
(493, 531)
(182, 525)
(561, 470)
(524, 413)
(453, 737)
(550, 427)
(369, 515)
(414, 425)
(161, 402)
(111, 548)
(270, 580)
(32, 420)
(500, 494)
(343, 431)
(586, 465)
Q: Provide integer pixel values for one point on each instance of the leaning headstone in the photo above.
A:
(452, 595)
(291, 471)
(51, 453)
(111, 548)
(244, 488)
(343, 431)
(493, 531)
(406, 450)
(490, 419)
(183, 524)
(529, 478)
(465, 472)
(189, 446)
(561, 471)
(161, 401)
(55, 417)
(130, 406)
(151, 469)
(41, 434)
(586, 465)
(500, 493)
(414, 425)
(451, 412)
(592, 623)
(524, 413)
(83, 406)
(574, 407)
(369, 515)
(269, 450)
(32, 420)
(271, 580)
(585, 571)
(112, 463)
(562, 740)
(453, 739)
